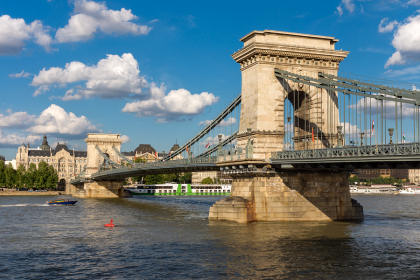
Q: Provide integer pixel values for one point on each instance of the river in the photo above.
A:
(171, 238)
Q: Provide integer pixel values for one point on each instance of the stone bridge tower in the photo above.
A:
(264, 96)
(105, 143)
(266, 194)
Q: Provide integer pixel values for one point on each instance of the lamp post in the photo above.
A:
(391, 133)
(362, 134)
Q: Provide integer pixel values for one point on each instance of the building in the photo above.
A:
(366, 174)
(12, 162)
(67, 162)
(146, 152)
(149, 154)
(414, 176)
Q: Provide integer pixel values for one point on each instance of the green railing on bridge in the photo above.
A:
(389, 152)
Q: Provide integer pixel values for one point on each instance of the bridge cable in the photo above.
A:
(207, 129)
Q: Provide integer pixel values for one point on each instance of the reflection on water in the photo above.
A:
(171, 238)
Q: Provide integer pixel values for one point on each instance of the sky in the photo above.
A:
(156, 71)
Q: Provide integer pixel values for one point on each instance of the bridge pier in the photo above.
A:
(288, 196)
(99, 189)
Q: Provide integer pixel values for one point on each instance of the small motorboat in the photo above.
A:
(62, 202)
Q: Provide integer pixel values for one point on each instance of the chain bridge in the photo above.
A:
(302, 128)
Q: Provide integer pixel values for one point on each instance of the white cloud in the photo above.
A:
(14, 140)
(174, 105)
(21, 74)
(414, 2)
(55, 120)
(340, 10)
(406, 42)
(345, 4)
(352, 131)
(385, 26)
(405, 73)
(205, 123)
(212, 140)
(119, 77)
(14, 32)
(226, 122)
(90, 17)
(125, 139)
(374, 106)
(112, 77)
(17, 119)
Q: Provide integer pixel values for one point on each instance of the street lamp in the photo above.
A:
(391, 133)
(362, 134)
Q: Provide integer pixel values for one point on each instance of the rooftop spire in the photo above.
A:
(45, 146)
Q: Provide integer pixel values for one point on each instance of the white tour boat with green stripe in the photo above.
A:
(179, 189)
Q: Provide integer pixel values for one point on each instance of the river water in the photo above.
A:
(171, 238)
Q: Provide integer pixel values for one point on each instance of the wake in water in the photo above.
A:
(24, 205)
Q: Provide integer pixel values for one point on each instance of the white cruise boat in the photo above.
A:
(179, 189)
(374, 189)
(410, 190)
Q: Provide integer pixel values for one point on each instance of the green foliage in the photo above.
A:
(166, 178)
(2, 175)
(207, 181)
(140, 160)
(43, 177)
(353, 180)
(377, 181)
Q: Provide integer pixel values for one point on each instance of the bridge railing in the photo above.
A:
(406, 149)
(178, 162)
(237, 154)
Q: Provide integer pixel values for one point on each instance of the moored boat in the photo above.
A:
(169, 189)
(410, 190)
(62, 202)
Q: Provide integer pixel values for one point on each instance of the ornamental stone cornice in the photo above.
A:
(288, 51)
(256, 52)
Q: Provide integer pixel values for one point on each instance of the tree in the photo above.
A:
(20, 177)
(52, 181)
(2, 175)
(10, 176)
(186, 178)
(207, 181)
(154, 179)
(31, 174)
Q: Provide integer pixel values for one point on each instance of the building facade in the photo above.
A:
(68, 163)
(366, 174)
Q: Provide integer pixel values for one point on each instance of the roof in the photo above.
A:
(174, 148)
(129, 154)
(162, 154)
(59, 147)
(145, 148)
(275, 32)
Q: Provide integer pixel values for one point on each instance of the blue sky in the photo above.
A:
(132, 67)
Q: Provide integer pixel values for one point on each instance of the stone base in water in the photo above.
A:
(101, 189)
(289, 196)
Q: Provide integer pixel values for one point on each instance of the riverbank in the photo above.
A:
(25, 193)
